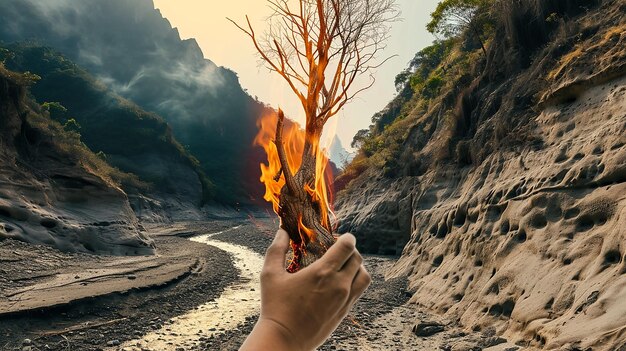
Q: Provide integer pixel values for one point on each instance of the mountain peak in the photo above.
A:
(338, 154)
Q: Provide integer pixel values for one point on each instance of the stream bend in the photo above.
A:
(239, 300)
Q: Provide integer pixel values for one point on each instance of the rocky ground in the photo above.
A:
(382, 319)
(95, 323)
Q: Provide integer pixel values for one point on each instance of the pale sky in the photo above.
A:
(224, 44)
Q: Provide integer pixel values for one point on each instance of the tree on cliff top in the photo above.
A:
(453, 17)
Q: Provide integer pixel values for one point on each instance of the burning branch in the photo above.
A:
(320, 48)
(282, 156)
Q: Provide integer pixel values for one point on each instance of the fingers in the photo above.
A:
(361, 282)
(340, 252)
(275, 255)
(351, 268)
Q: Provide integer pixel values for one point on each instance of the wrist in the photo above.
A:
(269, 334)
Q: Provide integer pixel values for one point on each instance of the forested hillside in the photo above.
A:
(130, 47)
(120, 132)
(54, 190)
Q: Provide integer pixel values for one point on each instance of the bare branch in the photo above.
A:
(324, 46)
(282, 156)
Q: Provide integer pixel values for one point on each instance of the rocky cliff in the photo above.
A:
(127, 137)
(55, 191)
(130, 47)
(506, 194)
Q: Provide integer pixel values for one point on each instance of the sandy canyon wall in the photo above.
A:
(529, 238)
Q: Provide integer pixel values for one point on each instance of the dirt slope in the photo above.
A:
(53, 190)
(524, 227)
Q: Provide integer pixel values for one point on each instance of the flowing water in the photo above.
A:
(238, 301)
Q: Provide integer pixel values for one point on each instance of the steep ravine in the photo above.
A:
(53, 190)
(137, 53)
(529, 236)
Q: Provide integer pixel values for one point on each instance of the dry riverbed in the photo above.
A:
(212, 306)
(93, 323)
(381, 319)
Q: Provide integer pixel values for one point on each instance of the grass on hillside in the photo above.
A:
(109, 124)
(68, 143)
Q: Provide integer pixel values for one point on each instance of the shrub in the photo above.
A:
(30, 78)
(101, 155)
(72, 126)
(432, 86)
(57, 111)
(5, 55)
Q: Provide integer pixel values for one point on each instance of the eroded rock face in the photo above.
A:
(523, 240)
(46, 198)
(180, 196)
(530, 239)
(72, 212)
(380, 215)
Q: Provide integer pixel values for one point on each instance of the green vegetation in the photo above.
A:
(4, 55)
(30, 78)
(72, 126)
(204, 104)
(47, 133)
(69, 144)
(453, 18)
(434, 77)
(108, 124)
(454, 85)
(57, 111)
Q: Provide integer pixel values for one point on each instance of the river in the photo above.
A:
(238, 301)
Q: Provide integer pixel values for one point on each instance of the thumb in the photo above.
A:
(275, 255)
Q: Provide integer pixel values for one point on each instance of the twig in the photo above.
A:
(280, 147)
(67, 341)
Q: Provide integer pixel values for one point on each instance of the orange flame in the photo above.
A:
(304, 231)
(271, 175)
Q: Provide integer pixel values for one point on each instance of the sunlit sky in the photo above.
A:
(224, 44)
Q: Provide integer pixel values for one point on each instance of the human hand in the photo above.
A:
(300, 310)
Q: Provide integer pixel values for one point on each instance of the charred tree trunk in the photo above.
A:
(301, 215)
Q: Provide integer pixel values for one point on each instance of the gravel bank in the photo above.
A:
(381, 320)
(107, 321)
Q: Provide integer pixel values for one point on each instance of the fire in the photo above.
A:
(305, 233)
(273, 178)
